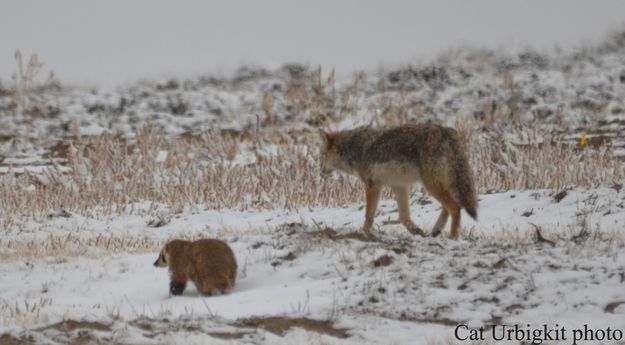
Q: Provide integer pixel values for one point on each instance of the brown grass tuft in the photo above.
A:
(217, 170)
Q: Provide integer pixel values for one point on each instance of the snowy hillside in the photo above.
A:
(93, 182)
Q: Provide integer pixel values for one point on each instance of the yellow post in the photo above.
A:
(582, 140)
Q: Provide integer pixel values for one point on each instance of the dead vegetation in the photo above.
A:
(72, 325)
(85, 332)
(273, 165)
(7, 339)
(72, 245)
(73, 332)
(280, 325)
(110, 175)
(26, 89)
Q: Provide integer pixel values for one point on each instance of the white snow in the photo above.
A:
(495, 270)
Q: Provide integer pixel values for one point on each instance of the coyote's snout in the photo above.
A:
(398, 157)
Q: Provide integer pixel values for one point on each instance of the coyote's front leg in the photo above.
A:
(372, 191)
(403, 207)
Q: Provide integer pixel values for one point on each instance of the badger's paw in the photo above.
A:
(176, 288)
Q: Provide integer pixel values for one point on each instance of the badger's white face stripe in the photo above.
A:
(162, 259)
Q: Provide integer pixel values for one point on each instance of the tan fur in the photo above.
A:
(400, 156)
(209, 263)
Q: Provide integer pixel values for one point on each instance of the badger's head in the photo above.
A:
(163, 257)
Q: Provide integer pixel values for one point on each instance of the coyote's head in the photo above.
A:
(329, 157)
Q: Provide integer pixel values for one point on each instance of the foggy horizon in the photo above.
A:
(116, 42)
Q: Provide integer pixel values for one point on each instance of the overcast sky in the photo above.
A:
(116, 41)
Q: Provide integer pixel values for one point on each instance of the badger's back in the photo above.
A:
(213, 265)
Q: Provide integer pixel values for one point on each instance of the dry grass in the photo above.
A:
(25, 84)
(75, 245)
(272, 167)
(220, 170)
(23, 312)
(539, 162)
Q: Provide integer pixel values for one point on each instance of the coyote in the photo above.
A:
(399, 156)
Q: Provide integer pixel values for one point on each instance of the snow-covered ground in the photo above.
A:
(308, 275)
(62, 281)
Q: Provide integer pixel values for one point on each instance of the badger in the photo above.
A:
(209, 263)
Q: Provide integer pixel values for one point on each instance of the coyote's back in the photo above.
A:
(399, 156)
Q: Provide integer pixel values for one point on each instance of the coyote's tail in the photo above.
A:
(464, 186)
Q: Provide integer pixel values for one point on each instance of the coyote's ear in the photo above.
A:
(327, 137)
